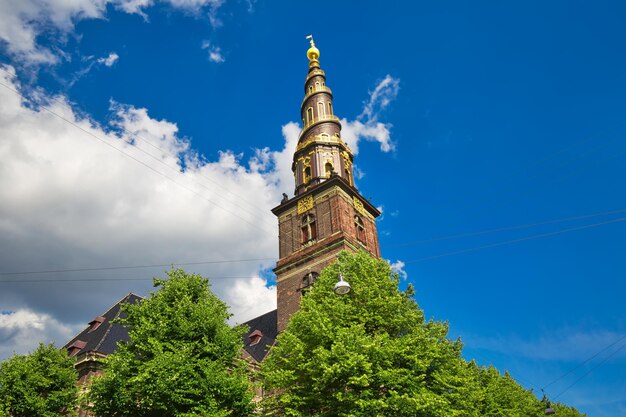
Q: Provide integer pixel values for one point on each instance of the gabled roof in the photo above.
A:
(266, 325)
(102, 335)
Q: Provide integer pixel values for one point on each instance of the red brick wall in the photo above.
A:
(334, 213)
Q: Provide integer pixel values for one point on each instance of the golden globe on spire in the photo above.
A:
(313, 53)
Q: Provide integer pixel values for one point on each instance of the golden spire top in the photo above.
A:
(313, 53)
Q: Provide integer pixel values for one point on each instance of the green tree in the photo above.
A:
(504, 397)
(367, 353)
(42, 383)
(182, 359)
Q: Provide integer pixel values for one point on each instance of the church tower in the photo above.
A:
(327, 213)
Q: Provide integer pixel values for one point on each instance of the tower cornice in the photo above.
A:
(333, 181)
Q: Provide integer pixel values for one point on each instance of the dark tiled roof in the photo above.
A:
(267, 325)
(103, 338)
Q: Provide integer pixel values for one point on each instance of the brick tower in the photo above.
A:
(327, 213)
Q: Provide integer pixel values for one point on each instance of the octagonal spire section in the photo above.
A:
(320, 153)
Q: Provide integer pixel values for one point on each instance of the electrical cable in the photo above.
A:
(17, 281)
(507, 228)
(267, 259)
(109, 268)
(589, 371)
(584, 362)
(136, 159)
(165, 151)
(508, 242)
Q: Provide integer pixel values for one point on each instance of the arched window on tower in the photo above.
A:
(307, 174)
(308, 281)
(309, 115)
(347, 173)
(328, 169)
(321, 110)
(317, 85)
(330, 108)
(360, 229)
(309, 229)
(310, 88)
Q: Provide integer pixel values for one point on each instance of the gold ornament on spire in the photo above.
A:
(313, 53)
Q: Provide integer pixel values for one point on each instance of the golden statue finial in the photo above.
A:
(313, 53)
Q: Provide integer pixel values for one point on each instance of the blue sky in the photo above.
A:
(467, 117)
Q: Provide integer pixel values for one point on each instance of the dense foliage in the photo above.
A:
(372, 353)
(183, 358)
(42, 383)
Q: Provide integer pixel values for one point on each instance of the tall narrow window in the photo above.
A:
(321, 110)
(310, 89)
(307, 174)
(360, 229)
(347, 172)
(317, 85)
(309, 115)
(328, 169)
(330, 108)
(309, 229)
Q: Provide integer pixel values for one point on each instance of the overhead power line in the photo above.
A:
(584, 362)
(509, 242)
(110, 268)
(151, 168)
(134, 135)
(207, 262)
(590, 371)
(507, 228)
(101, 280)
(255, 225)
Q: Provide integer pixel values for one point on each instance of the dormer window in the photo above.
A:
(95, 323)
(76, 347)
(255, 337)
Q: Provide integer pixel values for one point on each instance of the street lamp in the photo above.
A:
(342, 287)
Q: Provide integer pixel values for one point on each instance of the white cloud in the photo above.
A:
(215, 52)
(22, 330)
(276, 165)
(109, 60)
(69, 200)
(251, 297)
(358, 172)
(366, 126)
(385, 92)
(354, 131)
(22, 21)
(398, 268)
